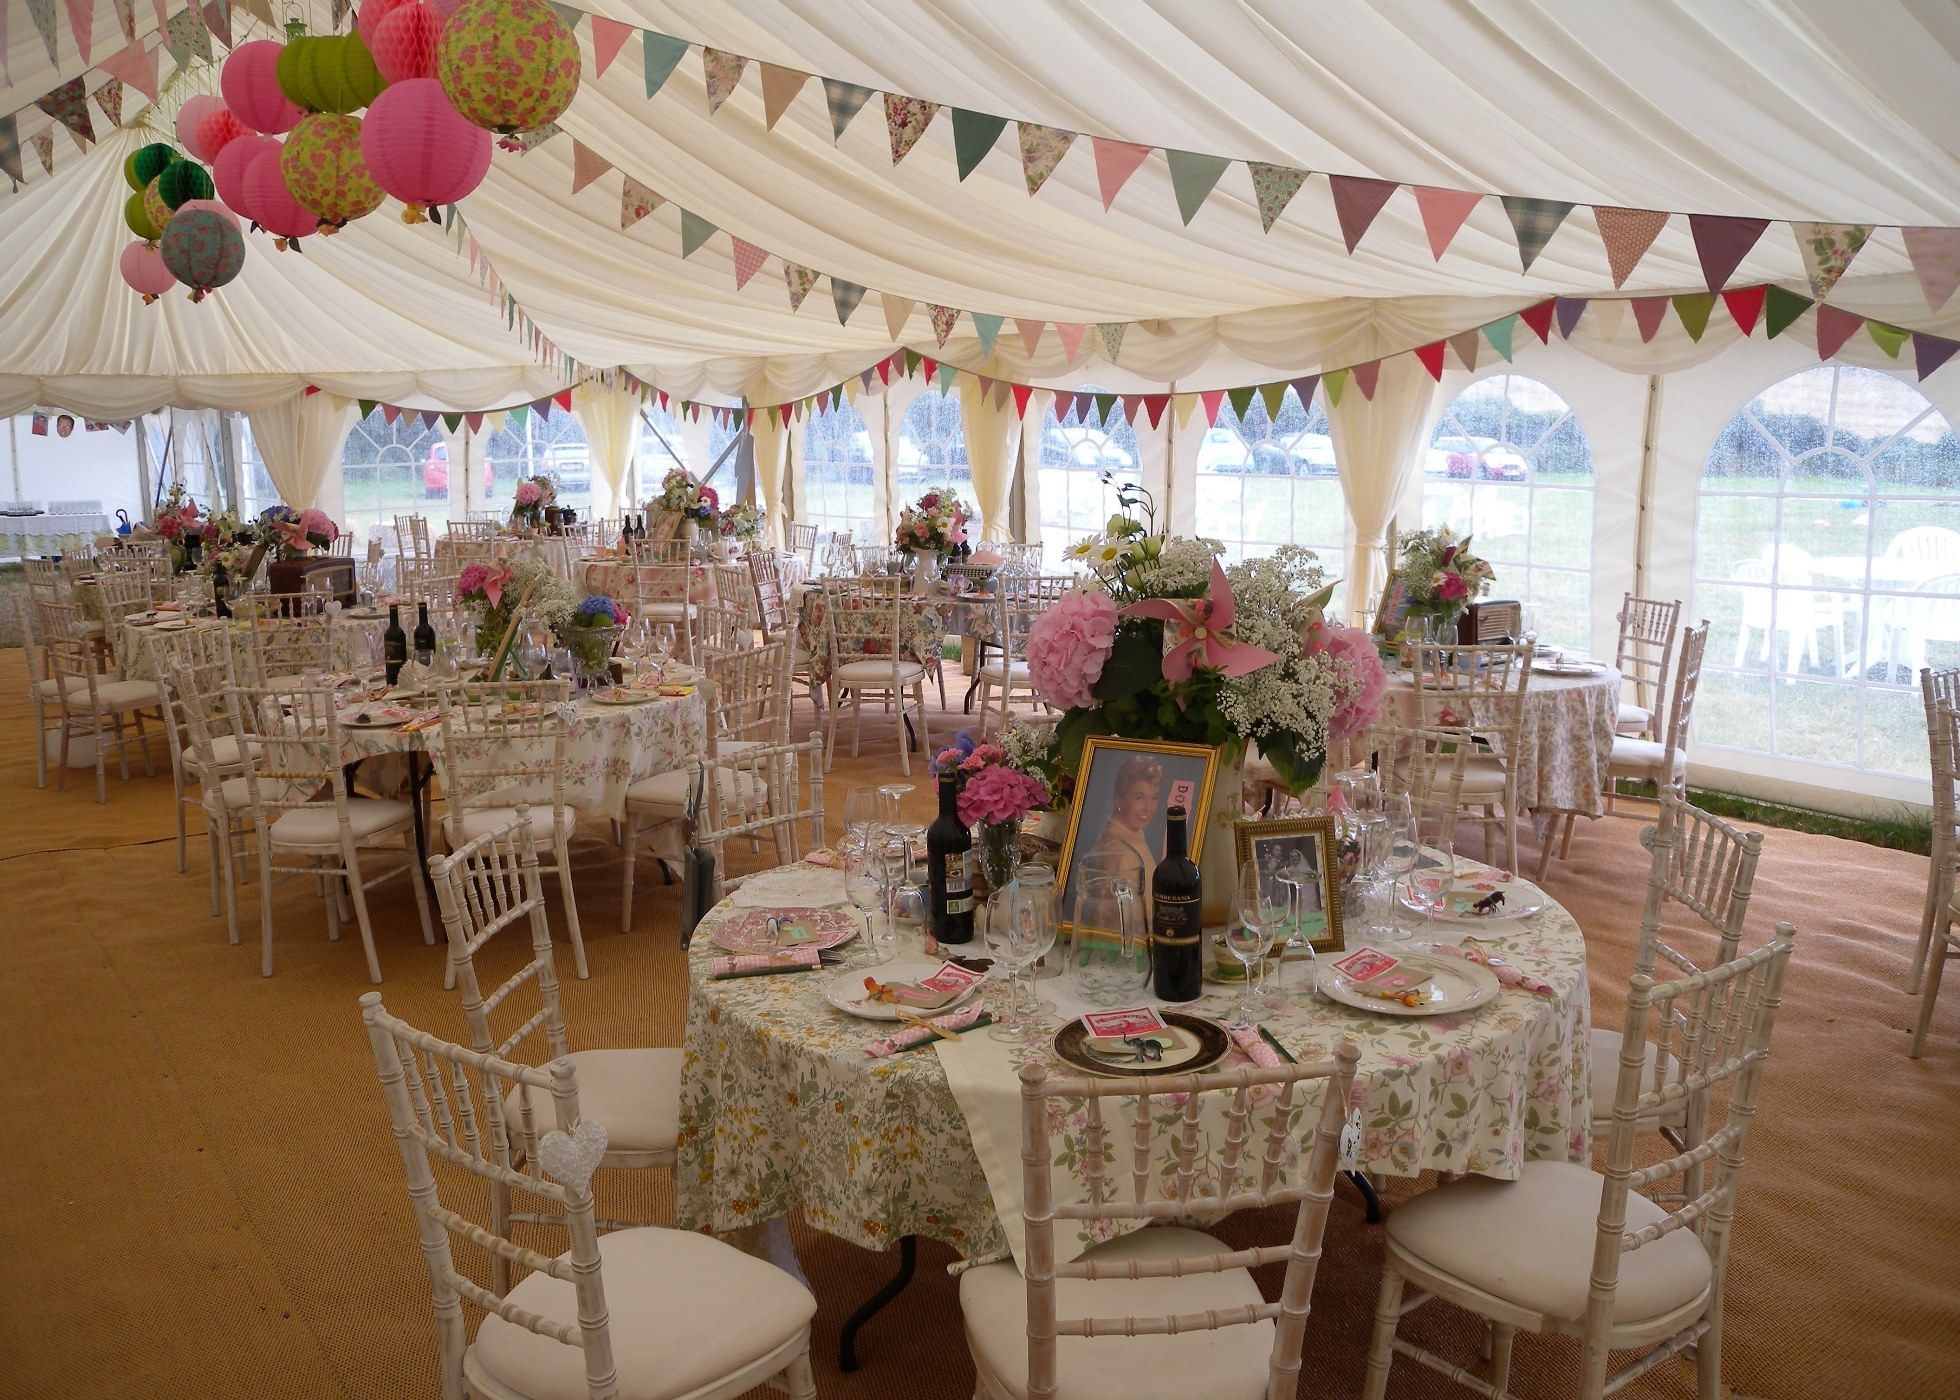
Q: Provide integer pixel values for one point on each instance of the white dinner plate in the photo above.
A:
(792, 887)
(1453, 986)
(1569, 668)
(621, 695)
(847, 991)
(1522, 899)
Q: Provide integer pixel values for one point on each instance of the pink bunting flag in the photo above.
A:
(1211, 399)
(1722, 242)
(587, 165)
(1070, 334)
(81, 19)
(1357, 201)
(1627, 234)
(608, 37)
(1648, 313)
(1935, 255)
(1030, 332)
(748, 261)
(125, 19)
(1835, 326)
(1443, 213)
(136, 66)
(1365, 378)
(1116, 162)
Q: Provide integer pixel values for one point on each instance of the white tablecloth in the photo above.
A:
(23, 535)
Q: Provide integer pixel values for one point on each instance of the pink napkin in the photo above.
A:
(823, 856)
(1506, 974)
(912, 1035)
(757, 962)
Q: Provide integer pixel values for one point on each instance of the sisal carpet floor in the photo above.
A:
(205, 1200)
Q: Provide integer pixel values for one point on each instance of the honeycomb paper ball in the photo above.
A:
(215, 131)
(404, 44)
(194, 110)
(146, 163)
(182, 180)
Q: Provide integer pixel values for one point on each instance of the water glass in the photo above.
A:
(1430, 885)
(1259, 908)
(1021, 926)
(866, 886)
(1401, 848)
(862, 807)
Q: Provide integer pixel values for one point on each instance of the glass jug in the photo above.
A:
(1108, 943)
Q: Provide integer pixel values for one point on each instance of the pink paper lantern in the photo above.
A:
(273, 207)
(194, 111)
(251, 86)
(419, 149)
(216, 131)
(228, 170)
(215, 207)
(142, 267)
(403, 44)
(371, 15)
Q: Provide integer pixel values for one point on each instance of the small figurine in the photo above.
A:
(1488, 905)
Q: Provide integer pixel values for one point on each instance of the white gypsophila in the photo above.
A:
(1294, 696)
(1029, 747)
(1182, 570)
(1278, 584)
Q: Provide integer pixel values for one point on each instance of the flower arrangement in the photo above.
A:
(592, 629)
(995, 794)
(1169, 643)
(740, 521)
(299, 533)
(498, 595)
(1441, 573)
(936, 523)
(686, 496)
(177, 517)
(534, 495)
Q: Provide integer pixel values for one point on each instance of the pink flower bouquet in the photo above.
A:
(1068, 647)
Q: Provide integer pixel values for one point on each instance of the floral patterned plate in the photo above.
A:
(748, 931)
(793, 887)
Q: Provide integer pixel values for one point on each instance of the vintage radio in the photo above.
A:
(314, 574)
(1491, 621)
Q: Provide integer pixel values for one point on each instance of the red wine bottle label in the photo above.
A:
(1179, 920)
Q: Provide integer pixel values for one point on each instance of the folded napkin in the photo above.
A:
(1507, 975)
(765, 964)
(912, 1035)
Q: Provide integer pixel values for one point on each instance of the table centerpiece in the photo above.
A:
(996, 793)
(1441, 577)
(592, 631)
(736, 525)
(499, 596)
(931, 530)
(535, 495)
(692, 501)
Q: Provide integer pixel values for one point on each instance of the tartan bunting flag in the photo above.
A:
(1539, 319)
(1929, 352)
(1030, 332)
(1648, 313)
(1781, 308)
(1274, 187)
(799, 281)
(1193, 177)
(845, 100)
(987, 328)
(1365, 378)
(748, 261)
(845, 296)
(1443, 213)
(1070, 334)
(1431, 356)
(1042, 149)
(1935, 257)
(1827, 252)
(898, 310)
(1356, 203)
(779, 89)
(906, 120)
(974, 134)
(1566, 311)
(1693, 308)
(1627, 234)
(1116, 162)
(943, 318)
(659, 55)
(1534, 221)
(1888, 338)
(722, 73)
(1722, 243)
(1745, 306)
(609, 36)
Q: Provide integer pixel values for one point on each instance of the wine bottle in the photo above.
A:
(1176, 918)
(220, 584)
(394, 644)
(949, 869)
(425, 637)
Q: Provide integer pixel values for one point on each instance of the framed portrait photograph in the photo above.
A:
(1116, 822)
(1393, 611)
(1299, 855)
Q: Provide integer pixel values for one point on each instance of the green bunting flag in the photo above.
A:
(1274, 186)
(1890, 339)
(987, 327)
(1693, 308)
(695, 231)
(1274, 397)
(1105, 405)
(1241, 399)
(660, 52)
(1781, 308)
(1499, 334)
(1335, 383)
(974, 134)
(1193, 177)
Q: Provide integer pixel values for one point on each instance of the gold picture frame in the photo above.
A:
(1185, 773)
(1393, 610)
(1283, 838)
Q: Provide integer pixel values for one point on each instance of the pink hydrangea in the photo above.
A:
(1363, 704)
(1000, 794)
(1069, 645)
(1450, 586)
(316, 522)
(528, 493)
(470, 582)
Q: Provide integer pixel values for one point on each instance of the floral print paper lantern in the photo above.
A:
(155, 205)
(202, 250)
(404, 43)
(228, 171)
(419, 149)
(329, 73)
(272, 204)
(326, 172)
(508, 65)
(143, 268)
(250, 83)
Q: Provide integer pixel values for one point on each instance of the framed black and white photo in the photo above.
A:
(1299, 855)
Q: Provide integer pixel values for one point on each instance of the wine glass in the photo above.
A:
(862, 806)
(1021, 926)
(1431, 886)
(866, 886)
(894, 860)
(1259, 908)
(1400, 841)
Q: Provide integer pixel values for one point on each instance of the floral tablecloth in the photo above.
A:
(782, 1111)
(922, 637)
(614, 578)
(355, 640)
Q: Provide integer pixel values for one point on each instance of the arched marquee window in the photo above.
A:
(932, 449)
(1074, 457)
(839, 474)
(1263, 482)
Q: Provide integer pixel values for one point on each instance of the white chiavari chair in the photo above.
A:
(414, 546)
(664, 551)
(193, 667)
(282, 651)
(1480, 691)
(1664, 763)
(1427, 766)
(1164, 1310)
(1938, 687)
(94, 708)
(776, 609)
(225, 796)
(769, 793)
(665, 594)
(477, 530)
(865, 622)
(1941, 938)
(1019, 602)
(801, 539)
(43, 690)
(633, 1312)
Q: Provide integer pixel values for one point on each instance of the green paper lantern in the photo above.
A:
(155, 205)
(147, 162)
(137, 216)
(507, 65)
(329, 73)
(184, 180)
(325, 170)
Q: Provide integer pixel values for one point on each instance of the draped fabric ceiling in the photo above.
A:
(1785, 109)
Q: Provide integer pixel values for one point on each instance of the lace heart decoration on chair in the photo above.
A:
(570, 1159)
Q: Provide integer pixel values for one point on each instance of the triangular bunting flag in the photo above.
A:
(1304, 388)
(1274, 187)
(1357, 200)
(1105, 405)
(563, 398)
(1469, 347)
(748, 261)
(1183, 405)
(1335, 381)
(1745, 305)
(475, 420)
(1693, 308)
(974, 134)
(126, 17)
(1154, 405)
(567, 14)
(44, 148)
(217, 19)
(799, 280)
(185, 35)
(608, 38)
(1443, 213)
(1935, 254)
(1431, 356)
(845, 296)
(1567, 311)
(1648, 313)
(1539, 318)
(1929, 352)
(1211, 399)
(1070, 334)
(42, 13)
(136, 66)
(906, 120)
(109, 98)
(945, 376)
(1110, 333)
(722, 72)
(1827, 251)
(1241, 400)
(389, 413)
(1030, 333)
(660, 53)
(587, 165)
(1627, 234)
(898, 310)
(1365, 377)
(1890, 339)
(68, 104)
(943, 318)
(1116, 162)
(987, 328)
(695, 231)
(1274, 397)
(1193, 177)
(81, 19)
(1534, 221)
(779, 89)
(1722, 243)
(845, 101)
(10, 150)
(520, 415)
(1500, 333)
(1042, 149)
(451, 421)
(636, 201)
(1781, 308)
(1022, 392)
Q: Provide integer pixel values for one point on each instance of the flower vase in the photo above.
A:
(723, 551)
(1218, 861)
(999, 848)
(925, 567)
(690, 530)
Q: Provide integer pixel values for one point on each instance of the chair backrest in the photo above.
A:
(447, 1102)
(281, 649)
(503, 743)
(1241, 1184)
(864, 618)
(298, 757)
(751, 692)
(1646, 646)
(802, 539)
(839, 554)
(479, 530)
(771, 598)
(413, 542)
(661, 583)
(30, 639)
(1941, 687)
(47, 580)
(1687, 682)
(770, 790)
(718, 628)
(69, 654)
(1704, 864)
(669, 551)
(1712, 1030)
(124, 593)
(735, 592)
(428, 586)
(873, 559)
(193, 666)
(1479, 688)
(482, 888)
(1931, 543)
(1019, 602)
(1425, 764)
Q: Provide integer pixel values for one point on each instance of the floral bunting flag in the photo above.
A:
(1935, 256)
(987, 328)
(1722, 243)
(1745, 305)
(1335, 382)
(1431, 357)
(187, 34)
(1648, 313)
(1357, 201)
(587, 165)
(1781, 307)
(1116, 162)
(1929, 352)
(68, 104)
(1365, 377)
(1627, 234)
(1693, 308)
(636, 201)
(109, 98)
(81, 20)
(898, 310)
(1888, 338)
(660, 54)
(748, 261)
(1499, 333)
(1443, 213)
(537, 136)
(42, 13)
(1274, 187)
(944, 318)
(779, 89)
(1030, 332)
(1070, 334)
(906, 120)
(1534, 221)
(974, 134)
(1194, 176)
(1827, 251)
(1469, 346)
(608, 38)
(44, 148)
(722, 71)
(10, 150)
(799, 280)
(695, 231)
(1567, 311)
(845, 100)
(1042, 149)
(126, 18)
(1110, 333)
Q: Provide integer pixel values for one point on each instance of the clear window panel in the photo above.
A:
(1733, 532)
(1817, 720)
(1263, 482)
(1733, 710)
(839, 474)
(390, 469)
(1072, 458)
(1895, 731)
(932, 449)
(1817, 633)
(1739, 620)
(1561, 607)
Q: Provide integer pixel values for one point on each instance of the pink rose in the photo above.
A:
(999, 794)
(1362, 704)
(1069, 645)
(1450, 586)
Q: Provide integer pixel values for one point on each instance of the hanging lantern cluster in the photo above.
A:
(183, 234)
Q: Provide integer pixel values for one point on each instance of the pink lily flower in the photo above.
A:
(1200, 632)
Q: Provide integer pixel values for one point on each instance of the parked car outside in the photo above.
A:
(435, 471)
(1462, 458)
(570, 465)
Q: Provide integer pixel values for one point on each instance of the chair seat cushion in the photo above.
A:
(1606, 1075)
(1015, 675)
(879, 672)
(224, 752)
(665, 794)
(484, 820)
(1228, 1362)
(666, 612)
(1484, 775)
(316, 826)
(1633, 718)
(635, 1093)
(1644, 756)
(122, 695)
(686, 1310)
(50, 689)
(1530, 1242)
